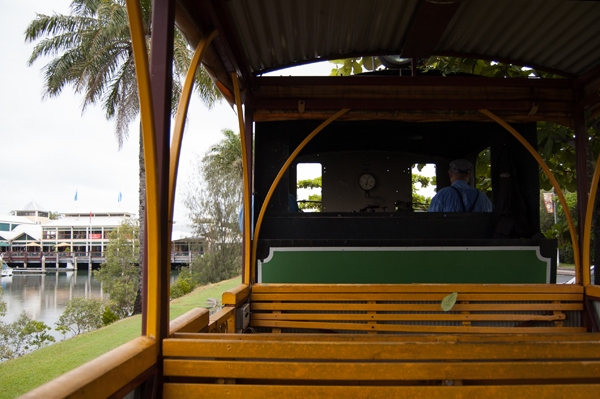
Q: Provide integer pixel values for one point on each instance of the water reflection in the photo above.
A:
(44, 296)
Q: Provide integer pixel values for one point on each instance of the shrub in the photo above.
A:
(23, 336)
(184, 284)
(81, 315)
(108, 316)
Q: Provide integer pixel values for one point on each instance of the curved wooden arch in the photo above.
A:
(548, 173)
(285, 166)
(142, 70)
(182, 110)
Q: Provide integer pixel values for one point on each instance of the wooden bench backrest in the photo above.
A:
(417, 308)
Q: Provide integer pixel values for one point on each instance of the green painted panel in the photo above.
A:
(500, 266)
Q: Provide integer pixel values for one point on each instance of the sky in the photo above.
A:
(51, 150)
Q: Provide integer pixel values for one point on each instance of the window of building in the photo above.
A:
(49, 234)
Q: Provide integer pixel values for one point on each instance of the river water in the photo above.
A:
(44, 296)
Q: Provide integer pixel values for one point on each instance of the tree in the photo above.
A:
(22, 336)
(315, 200)
(93, 54)
(80, 315)
(119, 275)
(213, 202)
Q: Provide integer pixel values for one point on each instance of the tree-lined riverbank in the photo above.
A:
(23, 374)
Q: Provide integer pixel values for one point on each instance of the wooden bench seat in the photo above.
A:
(416, 308)
(360, 365)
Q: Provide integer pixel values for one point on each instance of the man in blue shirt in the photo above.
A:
(460, 196)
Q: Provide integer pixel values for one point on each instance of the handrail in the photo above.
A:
(103, 376)
(548, 173)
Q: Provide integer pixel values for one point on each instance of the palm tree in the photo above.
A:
(92, 53)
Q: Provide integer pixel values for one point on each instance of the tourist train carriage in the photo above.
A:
(344, 302)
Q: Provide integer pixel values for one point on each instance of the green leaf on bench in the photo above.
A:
(449, 301)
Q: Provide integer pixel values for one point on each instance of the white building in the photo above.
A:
(77, 236)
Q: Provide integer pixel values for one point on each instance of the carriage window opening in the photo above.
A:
(423, 186)
(309, 187)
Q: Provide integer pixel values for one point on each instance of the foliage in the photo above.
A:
(317, 182)
(454, 65)
(420, 201)
(317, 199)
(213, 202)
(354, 66)
(2, 303)
(23, 336)
(119, 275)
(184, 284)
(560, 230)
(108, 316)
(314, 202)
(225, 157)
(93, 53)
(483, 172)
(53, 216)
(80, 315)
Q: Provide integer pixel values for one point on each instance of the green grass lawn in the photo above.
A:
(571, 265)
(23, 374)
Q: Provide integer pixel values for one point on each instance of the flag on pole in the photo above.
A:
(75, 195)
(120, 197)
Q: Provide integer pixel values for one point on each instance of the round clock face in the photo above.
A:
(366, 182)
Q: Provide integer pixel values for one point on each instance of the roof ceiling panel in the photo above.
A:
(563, 35)
(278, 33)
(274, 34)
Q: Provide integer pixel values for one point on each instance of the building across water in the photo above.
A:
(29, 238)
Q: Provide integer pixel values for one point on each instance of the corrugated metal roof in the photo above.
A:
(274, 34)
(284, 32)
(564, 35)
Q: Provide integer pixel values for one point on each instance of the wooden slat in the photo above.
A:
(298, 350)
(236, 294)
(382, 371)
(471, 307)
(425, 288)
(411, 328)
(185, 391)
(390, 338)
(344, 296)
(407, 317)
